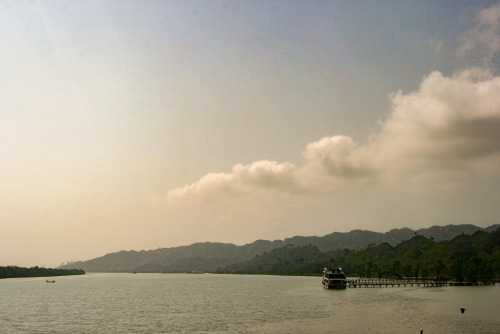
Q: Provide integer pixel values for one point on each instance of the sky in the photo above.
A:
(137, 125)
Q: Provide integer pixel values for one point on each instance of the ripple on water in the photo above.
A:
(161, 303)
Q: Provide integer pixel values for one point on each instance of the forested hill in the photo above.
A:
(468, 258)
(359, 238)
(208, 256)
(196, 257)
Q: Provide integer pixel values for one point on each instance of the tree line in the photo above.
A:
(16, 272)
(466, 258)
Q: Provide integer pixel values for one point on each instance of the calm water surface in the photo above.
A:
(177, 303)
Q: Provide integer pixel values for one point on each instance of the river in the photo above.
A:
(184, 303)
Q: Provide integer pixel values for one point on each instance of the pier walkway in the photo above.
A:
(386, 282)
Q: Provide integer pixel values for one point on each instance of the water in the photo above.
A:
(176, 303)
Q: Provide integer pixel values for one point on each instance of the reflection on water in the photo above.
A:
(163, 303)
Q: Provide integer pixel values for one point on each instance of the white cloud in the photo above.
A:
(443, 133)
(450, 124)
(340, 156)
(267, 174)
(446, 131)
(451, 119)
(484, 39)
(243, 178)
(214, 183)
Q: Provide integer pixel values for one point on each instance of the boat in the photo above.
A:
(50, 281)
(334, 278)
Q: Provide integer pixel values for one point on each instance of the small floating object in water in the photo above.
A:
(462, 310)
(50, 281)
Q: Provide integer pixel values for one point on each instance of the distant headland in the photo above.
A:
(17, 272)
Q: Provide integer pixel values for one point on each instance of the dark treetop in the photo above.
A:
(15, 271)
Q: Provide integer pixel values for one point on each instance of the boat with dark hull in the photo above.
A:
(334, 278)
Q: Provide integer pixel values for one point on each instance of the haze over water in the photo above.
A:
(191, 303)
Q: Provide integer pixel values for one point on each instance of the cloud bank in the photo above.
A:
(447, 130)
(444, 133)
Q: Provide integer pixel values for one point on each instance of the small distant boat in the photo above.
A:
(50, 281)
(334, 278)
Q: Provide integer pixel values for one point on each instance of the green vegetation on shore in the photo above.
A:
(16, 272)
(211, 256)
(466, 258)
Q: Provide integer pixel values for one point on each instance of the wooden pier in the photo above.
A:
(387, 282)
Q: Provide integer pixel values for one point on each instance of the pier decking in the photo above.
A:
(385, 282)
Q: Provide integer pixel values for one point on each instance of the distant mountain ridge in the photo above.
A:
(469, 258)
(209, 256)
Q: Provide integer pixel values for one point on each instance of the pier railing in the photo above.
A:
(406, 282)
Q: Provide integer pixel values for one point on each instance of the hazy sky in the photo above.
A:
(146, 124)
